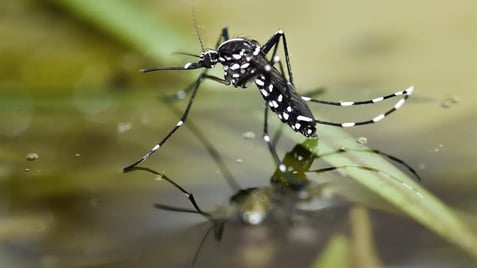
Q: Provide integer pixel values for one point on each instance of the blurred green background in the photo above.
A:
(70, 92)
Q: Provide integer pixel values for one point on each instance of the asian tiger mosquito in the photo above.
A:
(244, 61)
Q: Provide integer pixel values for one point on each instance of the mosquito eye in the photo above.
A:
(214, 56)
(209, 59)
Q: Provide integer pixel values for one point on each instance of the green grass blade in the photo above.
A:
(335, 254)
(400, 190)
(130, 23)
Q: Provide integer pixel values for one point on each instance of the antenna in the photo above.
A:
(194, 21)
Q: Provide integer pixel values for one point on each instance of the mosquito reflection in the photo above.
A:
(280, 201)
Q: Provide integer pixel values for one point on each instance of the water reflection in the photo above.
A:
(284, 209)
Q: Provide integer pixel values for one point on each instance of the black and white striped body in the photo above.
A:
(244, 62)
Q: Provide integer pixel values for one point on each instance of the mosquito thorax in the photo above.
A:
(236, 55)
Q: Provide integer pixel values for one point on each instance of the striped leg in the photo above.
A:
(406, 93)
(195, 87)
(156, 147)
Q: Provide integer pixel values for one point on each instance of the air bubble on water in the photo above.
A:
(145, 120)
(248, 135)
(32, 156)
(450, 101)
(181, 94)
(439, 148)
(362, 140)
(123, 127)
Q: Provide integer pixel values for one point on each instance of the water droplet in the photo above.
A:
(362, 140)
(249, 135)
(32, 156)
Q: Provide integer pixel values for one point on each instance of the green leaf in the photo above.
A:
(400, 190)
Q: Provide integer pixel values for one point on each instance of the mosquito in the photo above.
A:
(244, 62)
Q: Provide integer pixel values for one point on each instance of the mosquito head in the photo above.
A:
(209, 58)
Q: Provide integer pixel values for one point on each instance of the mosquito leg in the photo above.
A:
(156, 147)
(273, 42)
(209, 146)
(224, 36)
(405, 92)
(376, 119)
(188, 194)
(371, 169)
